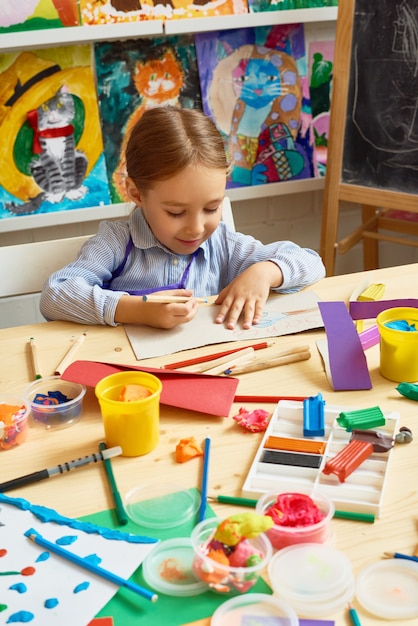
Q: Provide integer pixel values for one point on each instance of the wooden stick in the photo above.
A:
(209, 365)
(69, 357)
(238, 359)
(212, 357)
(261, 365)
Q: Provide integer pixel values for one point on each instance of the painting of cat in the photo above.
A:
(57, 167)
(157, 81)
(133, 76)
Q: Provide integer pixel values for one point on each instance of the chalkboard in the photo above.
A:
(381, 130)
(372, 157)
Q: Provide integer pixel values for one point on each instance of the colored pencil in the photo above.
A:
(272, 399)
(59, 469)
(69, 357)
(204, 485)
(213, 357)
(398, 555)
(206, 368)
(34, 536)
(167, 299)
(229, 362)
(261, 365)
(234, 500)
(119, 508)
(35, 361)
(353, 616)
(356, 517)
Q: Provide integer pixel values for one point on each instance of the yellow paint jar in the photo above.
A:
(399, 348)
(134, 425)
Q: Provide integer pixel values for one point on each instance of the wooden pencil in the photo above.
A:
(212, 357)
(35, 360)
(167, 299)
(69, 357)
(261, 365)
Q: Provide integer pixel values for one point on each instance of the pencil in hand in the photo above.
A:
(167, 299)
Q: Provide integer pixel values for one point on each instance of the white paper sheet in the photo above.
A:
(283, 315)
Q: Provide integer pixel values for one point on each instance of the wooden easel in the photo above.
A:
(374, 201)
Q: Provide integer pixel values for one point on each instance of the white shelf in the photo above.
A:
(249, 20)
(275, 189)
(78, 34)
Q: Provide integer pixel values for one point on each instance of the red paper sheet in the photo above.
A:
(213, 395)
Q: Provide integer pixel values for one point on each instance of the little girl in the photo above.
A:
(174, 241)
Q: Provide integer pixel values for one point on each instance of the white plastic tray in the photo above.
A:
(363, 490)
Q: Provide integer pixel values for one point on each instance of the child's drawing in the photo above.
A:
(134, 76)
(257, 6)
(254, 87)
(52, 156)
(37, 14)
(116, 11)
(42, 589)
(283, 315)
(321, 58)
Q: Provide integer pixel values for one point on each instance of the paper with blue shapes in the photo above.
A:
(41, 589)
(283, 315)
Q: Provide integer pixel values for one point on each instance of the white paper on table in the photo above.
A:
(56, 579)
(282, 315)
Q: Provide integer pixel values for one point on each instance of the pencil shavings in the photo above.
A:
(187, 449)
(255, 421)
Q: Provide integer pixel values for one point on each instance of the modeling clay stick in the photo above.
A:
(69, 357)
(204, 484)
(409, 390)
(59, 469)
(35, 360)
(120, 511)
(295, 445)
(89, 565)
(369, 337)
(212, 357)
(313, 416)
(348, 459)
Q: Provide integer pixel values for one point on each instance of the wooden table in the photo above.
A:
(85, 491)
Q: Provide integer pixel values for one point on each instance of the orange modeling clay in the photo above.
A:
(187, 449)
(132, 393)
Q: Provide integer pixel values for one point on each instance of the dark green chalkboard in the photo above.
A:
(381, 132)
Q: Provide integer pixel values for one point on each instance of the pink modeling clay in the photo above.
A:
(255, 421)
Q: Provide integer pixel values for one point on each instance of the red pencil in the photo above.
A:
(212, 357)
(268, 398)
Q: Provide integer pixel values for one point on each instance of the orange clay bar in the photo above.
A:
(187, 449)
(131, 393)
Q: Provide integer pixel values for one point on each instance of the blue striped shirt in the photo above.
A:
(75, 292)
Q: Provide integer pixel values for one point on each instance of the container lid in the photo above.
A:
(161, 507)
(168, 569)
(316, 579)
(388, 589)
(259, 608)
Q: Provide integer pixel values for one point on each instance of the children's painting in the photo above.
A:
(257, 6)
(116, 11)
(137, 75)
(321, 59)
(40, 588)
(52, 151)
(282, 315)
(37, 14)
(255, 88)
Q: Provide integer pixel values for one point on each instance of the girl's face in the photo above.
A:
(183, 211)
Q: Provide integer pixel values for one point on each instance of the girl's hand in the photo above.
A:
(134, 310)
(247, 295)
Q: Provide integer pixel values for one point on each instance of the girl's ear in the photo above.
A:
(132, 191)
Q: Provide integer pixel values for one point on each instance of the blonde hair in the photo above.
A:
(167, 139)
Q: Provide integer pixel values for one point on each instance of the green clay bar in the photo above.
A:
(408, 390)
(361, 419)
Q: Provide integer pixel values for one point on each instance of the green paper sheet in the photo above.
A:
(127, 609)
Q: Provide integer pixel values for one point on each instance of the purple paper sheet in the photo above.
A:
(369, 310)
(347, 360)
(316, 622)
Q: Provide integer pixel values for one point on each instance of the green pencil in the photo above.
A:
(234, 500)
(357, 517)
(120, 511)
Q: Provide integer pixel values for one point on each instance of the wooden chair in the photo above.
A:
(30, 264)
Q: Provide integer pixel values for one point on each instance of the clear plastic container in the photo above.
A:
(14, 415)
(254, 608)
(56, 415)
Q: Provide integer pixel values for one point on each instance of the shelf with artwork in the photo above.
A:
(103, 81)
